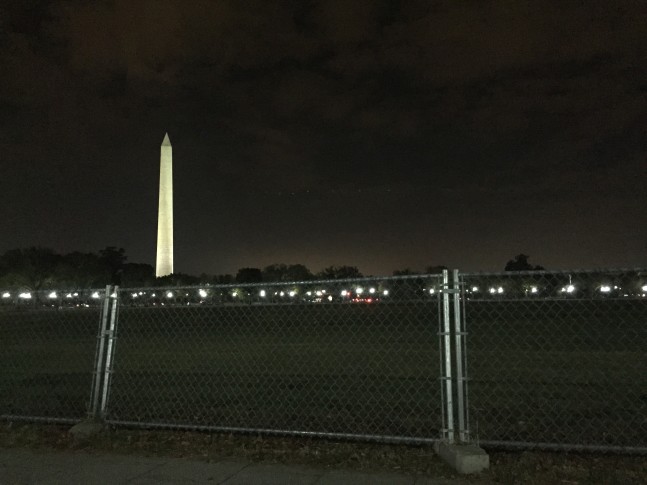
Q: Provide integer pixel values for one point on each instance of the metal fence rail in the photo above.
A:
(558, 360)
(47, 351)
(334, 358)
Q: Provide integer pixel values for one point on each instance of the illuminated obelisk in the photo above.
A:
(165, 215)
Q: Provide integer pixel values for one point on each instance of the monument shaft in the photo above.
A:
(164, 264)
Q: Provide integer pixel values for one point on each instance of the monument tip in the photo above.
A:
(166, 141)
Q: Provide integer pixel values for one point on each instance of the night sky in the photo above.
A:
(379, 134)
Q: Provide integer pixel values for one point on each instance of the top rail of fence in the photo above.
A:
(341, 281)
(350, 290)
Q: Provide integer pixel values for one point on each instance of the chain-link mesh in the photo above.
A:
(354, 357)
(554, 359)
(47, 349)
(558, 358)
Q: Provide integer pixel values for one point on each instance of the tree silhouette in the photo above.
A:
(249, 275)
(32, 268)
(177, 279)
(114, 260)
(284, 272)
(520, 263)
(137, 274)
(81, 270)
(339, 272)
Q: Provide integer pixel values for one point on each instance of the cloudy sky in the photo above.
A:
(382, 134)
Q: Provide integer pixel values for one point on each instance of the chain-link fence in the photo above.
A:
(354, 357)
(558, 360)
(47, 350)
(518, 359)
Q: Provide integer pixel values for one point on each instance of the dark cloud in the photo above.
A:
(378, 133)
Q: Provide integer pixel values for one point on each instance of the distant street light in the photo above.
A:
(568, 289)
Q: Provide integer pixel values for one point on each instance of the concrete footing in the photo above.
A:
(463, 458)
(86, 430)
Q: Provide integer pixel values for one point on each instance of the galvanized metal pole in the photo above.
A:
(110, 350)
(460, 378)
(98, 359)
(441, 366)
(447, 350)
(464, 361)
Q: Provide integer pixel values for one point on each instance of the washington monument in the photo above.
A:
(165, 215)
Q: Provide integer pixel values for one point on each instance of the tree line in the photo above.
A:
(37, 268)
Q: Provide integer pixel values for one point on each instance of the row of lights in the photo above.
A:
(263, 293)
(320, 293)
(53, 295)
(534, 290)
(565, 289)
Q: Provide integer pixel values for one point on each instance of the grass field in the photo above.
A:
(340, 368)
(46, 361)
(571, 371)
(568, 372)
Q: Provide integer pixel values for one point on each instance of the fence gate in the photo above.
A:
(340, 358)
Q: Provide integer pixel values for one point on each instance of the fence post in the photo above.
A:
(111, 335)
(446, 364)
(98, 356)
(460, 335)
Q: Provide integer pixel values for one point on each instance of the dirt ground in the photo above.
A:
(506, 467)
